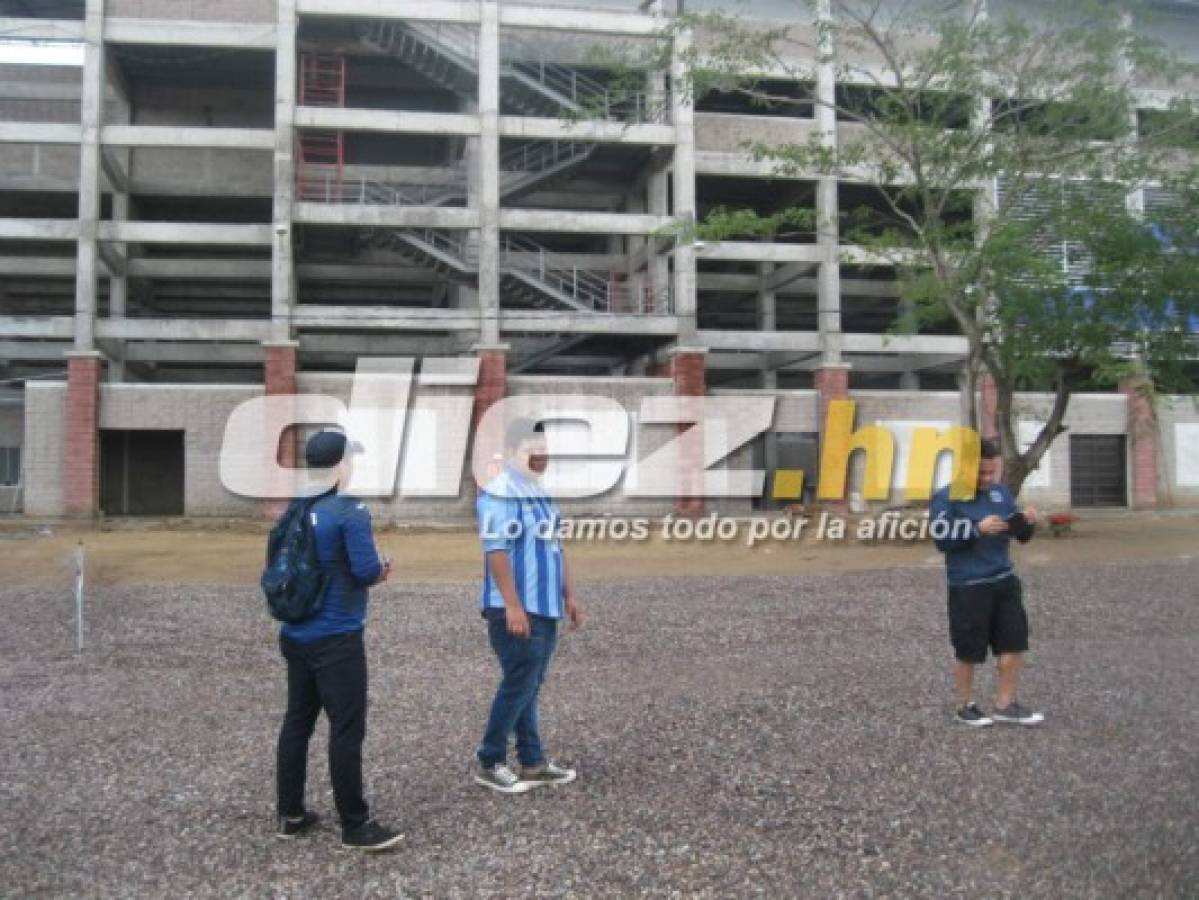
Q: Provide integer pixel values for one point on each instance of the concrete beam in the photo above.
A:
(580, 20)
(39, 229)
(542, 322)
(417, 10)
(314, 316)
(33, 351)
(183, 329)
(39, 133)
(365, 216)
(42, 29)
(188, 136)
(38, 266)
(590, 131)
(751, 284)
(46, 327)
(750, 251)
(201, 269)
(189, 33)
(892, 363)
(761, 341)
(234, 234)
(387, 120)
(950, 344)
(377, 344)
(574, 222)
(192, 353)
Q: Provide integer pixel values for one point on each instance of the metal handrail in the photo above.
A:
(541, 155)
(579, 89)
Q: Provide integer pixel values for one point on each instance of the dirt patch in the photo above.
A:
(193, 552)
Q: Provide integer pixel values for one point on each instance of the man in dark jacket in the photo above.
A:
(986, 607)
(326, 659)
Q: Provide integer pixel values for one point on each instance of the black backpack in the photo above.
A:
(292, 580)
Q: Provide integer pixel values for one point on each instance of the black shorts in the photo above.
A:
(989, 614)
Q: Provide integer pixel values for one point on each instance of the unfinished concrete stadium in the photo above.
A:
(204, 200)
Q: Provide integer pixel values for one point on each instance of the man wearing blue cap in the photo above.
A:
(326, 658)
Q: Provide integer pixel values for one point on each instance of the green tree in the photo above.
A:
(1008, 155)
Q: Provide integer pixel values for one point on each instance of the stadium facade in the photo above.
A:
(217, 198)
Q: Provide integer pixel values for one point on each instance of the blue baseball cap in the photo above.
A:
(328, 448)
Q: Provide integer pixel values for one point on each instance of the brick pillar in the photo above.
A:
(988, 406)
(81, 478)
(831, 383)
(688, 370)
(1143, 441)
(489, 390)
(279, 371)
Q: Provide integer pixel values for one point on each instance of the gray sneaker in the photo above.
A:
(1015, 714)
(971, 715)
(501, 779)
(547, 773)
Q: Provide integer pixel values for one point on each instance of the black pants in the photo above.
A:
(328, 674)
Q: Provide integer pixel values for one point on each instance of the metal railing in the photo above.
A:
(530, 258)
(330, 187)
(582, 93)
(542, 155)
(459, 41)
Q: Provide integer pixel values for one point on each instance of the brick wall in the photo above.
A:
(81, 472)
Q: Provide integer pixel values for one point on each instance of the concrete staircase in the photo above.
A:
(448, 54)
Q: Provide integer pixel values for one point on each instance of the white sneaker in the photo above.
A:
(1015, 714)
(500, 779)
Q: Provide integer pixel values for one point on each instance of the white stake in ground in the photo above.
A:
(79, 598)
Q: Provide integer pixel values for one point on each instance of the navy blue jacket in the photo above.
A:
(969, 556)
(345, 546)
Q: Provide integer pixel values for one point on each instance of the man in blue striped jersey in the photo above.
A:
(527, 589)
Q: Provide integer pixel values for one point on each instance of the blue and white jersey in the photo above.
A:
(516, 516)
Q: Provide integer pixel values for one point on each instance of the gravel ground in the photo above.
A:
(775, 736)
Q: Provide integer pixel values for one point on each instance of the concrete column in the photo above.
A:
(767, 320)
(689, 374)
(828, 239)
(489, 390)
(489, 172)
(683, 172)
(1143, 442)
(658, 202)
(283, 267)
(91, 118)
(118, 287)
(81, 475)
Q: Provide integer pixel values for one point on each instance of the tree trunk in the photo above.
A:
(1017, 465)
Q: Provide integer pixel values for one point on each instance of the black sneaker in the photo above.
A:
(501, 779)
(971, 715)
(370, 836)
(1015, 714)
(547, 773)
(290, 827)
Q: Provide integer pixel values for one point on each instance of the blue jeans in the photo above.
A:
(524, 662)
